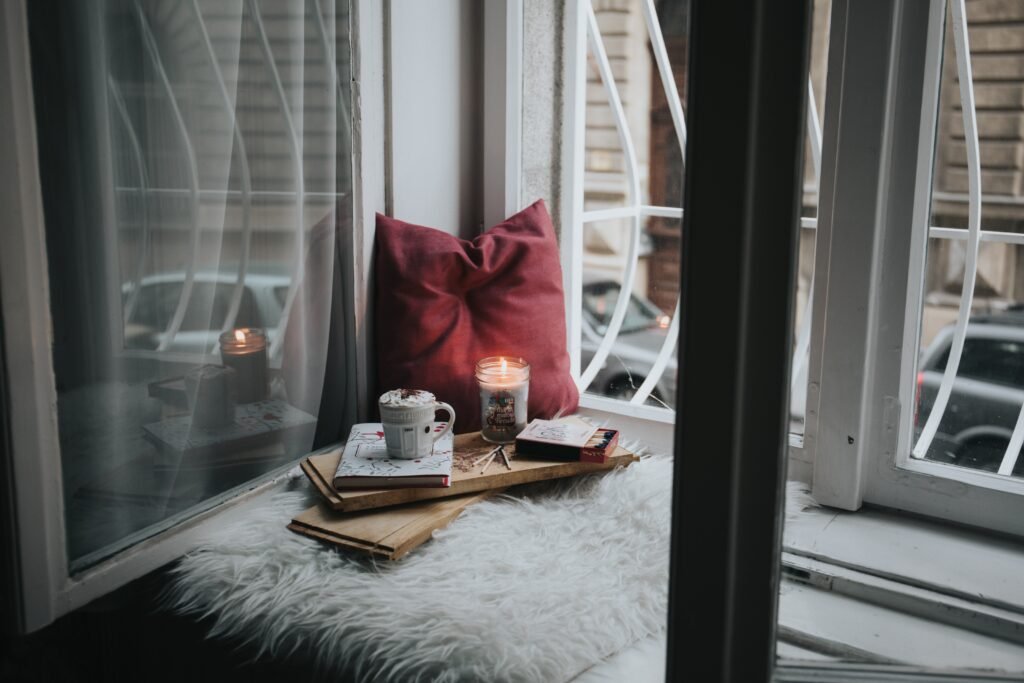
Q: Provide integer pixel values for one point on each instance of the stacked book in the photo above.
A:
(365, 463)
(385, 507)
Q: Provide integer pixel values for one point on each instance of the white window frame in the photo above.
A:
(48, 590)
(880, 119)
(581, 31)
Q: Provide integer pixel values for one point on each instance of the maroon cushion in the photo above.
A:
(443, 303)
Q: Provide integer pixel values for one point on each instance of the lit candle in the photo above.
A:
(245, 351)
(504, 391)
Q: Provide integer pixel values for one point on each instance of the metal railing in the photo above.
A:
(637, 211)
(974, 235)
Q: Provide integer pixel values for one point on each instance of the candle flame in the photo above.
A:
(239, 335)
(504, 366)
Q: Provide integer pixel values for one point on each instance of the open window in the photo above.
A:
(184, 184)
(622, 218)
(914, 385)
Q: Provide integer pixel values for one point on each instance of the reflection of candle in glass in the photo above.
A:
(504, 390)
(245, 351)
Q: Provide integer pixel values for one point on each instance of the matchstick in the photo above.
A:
(487, 464)
(485, 456)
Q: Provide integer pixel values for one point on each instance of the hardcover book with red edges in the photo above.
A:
(365, 463)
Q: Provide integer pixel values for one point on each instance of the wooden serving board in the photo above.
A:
(385, 534)
(320, 469)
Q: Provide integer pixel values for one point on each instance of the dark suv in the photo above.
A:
(987, 395)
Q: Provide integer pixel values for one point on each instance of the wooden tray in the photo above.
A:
(320, 469)
(384, 534)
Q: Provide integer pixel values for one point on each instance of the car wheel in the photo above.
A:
(984, 453)
(622, 389)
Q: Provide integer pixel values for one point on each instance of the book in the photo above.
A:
(365, 463)
(255, 425)
(467, 477)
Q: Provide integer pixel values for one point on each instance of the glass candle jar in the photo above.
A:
(245, 351)
(504, 390)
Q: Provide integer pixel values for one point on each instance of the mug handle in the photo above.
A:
(441, 405)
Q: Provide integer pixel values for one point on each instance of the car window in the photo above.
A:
(599, 301)
(999, 361)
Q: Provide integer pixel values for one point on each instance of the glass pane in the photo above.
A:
(809, 212)
(635, 186)
(876, 586)
(655, 176)
(195, 164)
(973, 428)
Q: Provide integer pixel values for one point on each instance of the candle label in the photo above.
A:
(501, 411)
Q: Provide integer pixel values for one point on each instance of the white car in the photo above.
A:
(263, 299)
(635, 350)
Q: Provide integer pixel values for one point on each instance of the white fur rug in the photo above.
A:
(533, 587)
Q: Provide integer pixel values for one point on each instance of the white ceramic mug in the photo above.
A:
(408, 419)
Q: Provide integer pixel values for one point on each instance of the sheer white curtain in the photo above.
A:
(195, 185)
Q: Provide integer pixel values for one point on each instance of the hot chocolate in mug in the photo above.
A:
(408, 419)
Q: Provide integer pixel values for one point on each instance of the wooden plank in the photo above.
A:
(320, 469)
(320, 483)
(388, 534)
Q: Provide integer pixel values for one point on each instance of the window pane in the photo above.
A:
(195, 165)
(633, 181)
(816, 78)
(973, 427)
(863, 580)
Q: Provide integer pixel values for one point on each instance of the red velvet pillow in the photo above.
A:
(443, 303)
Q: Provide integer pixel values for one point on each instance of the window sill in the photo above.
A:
(635, 423)
(955, 592)
(160, 548)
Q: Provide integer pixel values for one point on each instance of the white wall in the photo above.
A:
(436, 105)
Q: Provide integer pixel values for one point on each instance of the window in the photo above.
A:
(624, 196)
(179, 171)
(621, 234)
(913, 376)
(222, 151)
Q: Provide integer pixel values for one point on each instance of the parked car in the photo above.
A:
(633, 354)
(263, 299)
(987, 393)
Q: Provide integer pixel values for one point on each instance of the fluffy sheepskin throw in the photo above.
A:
(536, 586)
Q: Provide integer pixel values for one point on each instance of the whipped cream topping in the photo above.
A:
(406, 397)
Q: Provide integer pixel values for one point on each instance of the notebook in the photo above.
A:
(365, 463)
(255, 425)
